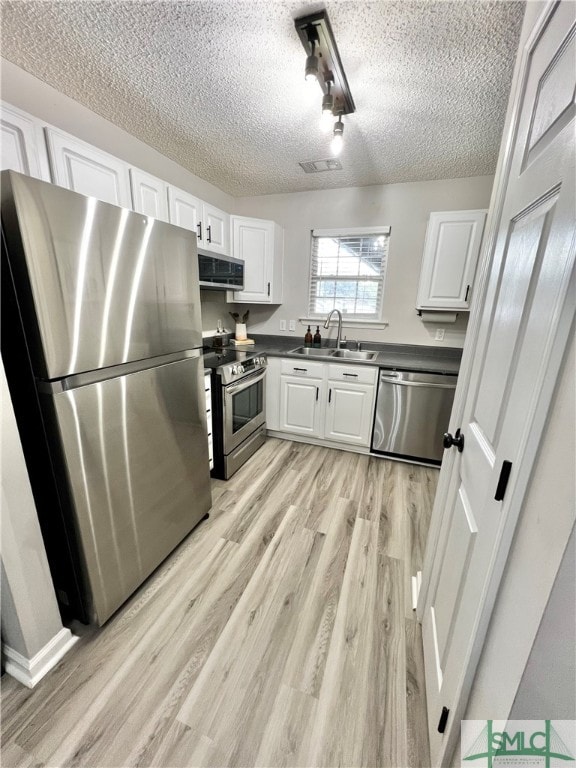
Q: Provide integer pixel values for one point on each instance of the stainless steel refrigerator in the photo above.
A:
(101, 341)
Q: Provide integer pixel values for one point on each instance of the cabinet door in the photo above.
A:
(22, 144)
(252, 241)
(87, 170)
(149, 194)
(450, 256)
(216, 224)
(208, 399)
(300, 405)
(273, 393)
(185, 211)
(349, 411)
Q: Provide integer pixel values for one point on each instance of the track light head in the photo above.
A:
(338, 140)
(311, 71)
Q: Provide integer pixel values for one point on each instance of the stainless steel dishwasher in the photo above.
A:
(412, 414)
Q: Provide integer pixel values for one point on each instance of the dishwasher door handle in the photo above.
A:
(404, 383)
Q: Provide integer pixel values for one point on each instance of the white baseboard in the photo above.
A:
(31, 671)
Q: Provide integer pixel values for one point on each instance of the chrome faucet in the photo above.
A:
(327, 323)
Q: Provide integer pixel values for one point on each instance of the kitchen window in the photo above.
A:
(348, 269)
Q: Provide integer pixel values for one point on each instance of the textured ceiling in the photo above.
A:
(218, 86)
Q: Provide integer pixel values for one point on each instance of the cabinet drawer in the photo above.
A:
(355, 374)
(303, 368)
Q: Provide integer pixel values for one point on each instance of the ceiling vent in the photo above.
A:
(316, 166)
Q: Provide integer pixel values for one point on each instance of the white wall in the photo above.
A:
(548, 685)
(30, 616)
(405, 207)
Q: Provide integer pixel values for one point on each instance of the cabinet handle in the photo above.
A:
(352, 375)
(304, 370)
(209, 233)
(317, 393)
(199, 228)
(268, 289)
(467, 292)
(329, 395)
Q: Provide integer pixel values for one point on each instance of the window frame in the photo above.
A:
(350, 232)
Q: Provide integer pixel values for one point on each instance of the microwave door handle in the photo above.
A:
(254, 378)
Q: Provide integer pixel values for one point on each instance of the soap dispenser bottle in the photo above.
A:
(308, 338)
(317, 338)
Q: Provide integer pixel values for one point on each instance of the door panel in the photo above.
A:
(216, 229)
(149, 194)
(519, 274)
(349, 413)
(82, 168)
(22, 145)
(136, 456)
(522, 330)
(300, 403)
(184, 211)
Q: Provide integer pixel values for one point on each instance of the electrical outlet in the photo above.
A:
(439, 334)
(282, 325)
(292, 325)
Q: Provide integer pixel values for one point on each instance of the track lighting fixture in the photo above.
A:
(323, 64)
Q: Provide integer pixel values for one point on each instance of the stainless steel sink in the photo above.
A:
(348, 354)
(311, 352)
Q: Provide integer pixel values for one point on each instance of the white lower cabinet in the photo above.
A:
(300, 406)
(349, 413)
(325, 401)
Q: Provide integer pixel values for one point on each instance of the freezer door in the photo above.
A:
(97, 285)
(136, 460)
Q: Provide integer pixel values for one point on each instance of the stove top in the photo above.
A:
(231, 364)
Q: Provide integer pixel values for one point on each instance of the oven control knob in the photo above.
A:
(240, 369)
(234, 370)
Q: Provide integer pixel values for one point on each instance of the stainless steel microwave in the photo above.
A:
(220, 272)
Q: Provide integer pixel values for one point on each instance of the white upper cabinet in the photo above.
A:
(212, 226)
(149, 194)
(185, 211)
(260, 244)
(22, 143)
(216, 233)
(450, 256)
(87, 170)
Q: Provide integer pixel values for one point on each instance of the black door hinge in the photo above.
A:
(503, 480)
(443, 720)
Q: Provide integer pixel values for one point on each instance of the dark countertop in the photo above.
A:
(401, 357)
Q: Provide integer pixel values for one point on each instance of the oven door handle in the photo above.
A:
(246, 382)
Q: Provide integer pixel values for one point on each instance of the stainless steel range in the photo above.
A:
(238, 407)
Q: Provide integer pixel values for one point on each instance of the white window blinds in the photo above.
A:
(348, 271)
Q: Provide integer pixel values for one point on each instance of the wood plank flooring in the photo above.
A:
(280, 633)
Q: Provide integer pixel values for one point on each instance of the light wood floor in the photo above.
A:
(279, 633)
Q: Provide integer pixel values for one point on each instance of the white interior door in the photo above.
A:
(524, 325)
